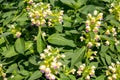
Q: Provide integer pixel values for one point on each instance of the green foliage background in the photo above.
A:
(21, 56)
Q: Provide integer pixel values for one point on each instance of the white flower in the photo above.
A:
(110, 78)
(95, 12)
(52, 77)
(87, 77)
(42, 68)
(114, 76)
(91, 57)
(47, 70)
(79, 72)
(95, 29)
(42, 56)
(88, 28)
(98, 23)
(97, 44)
(97, 37)
(62, 56)
(107, 32)
(18, 34)
(81, 38)
(89, 15)
(89, 44)
(73, 71)
(93, 20)
(87, 23)
(107, 43)
(100, 16)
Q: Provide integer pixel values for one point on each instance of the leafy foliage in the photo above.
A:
(60, 39)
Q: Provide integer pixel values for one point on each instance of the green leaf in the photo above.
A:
(72, 77)
(5, 34)
(32, 60)
(118, 48)
(20, 45)
(2, 40)
(102, 77)
(12, 68)
(10, 52)
(40, 43)
(57, 39)
(69, 3)
(28, 45)
(108, 59)
(37, 74)
(18, 77)
(77, 56)
(59, 28)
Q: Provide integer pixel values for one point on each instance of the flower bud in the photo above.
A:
(81, 38)
(95, 30)
(89, 44)
(18, 34)
(87, 77)
(107, 32)
(114, 76)
(95, 12)
(42, 68)
(107, 43)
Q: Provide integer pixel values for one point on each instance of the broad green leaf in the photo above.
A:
(32, 60)
(2, 40)
(94, 64)
(104, 49)
(28, 45)
(108, 59)
(77, 56)
(20, 45)
(10, 52)
(40, 43)
(69, 3)
(37, 74)
(72, 77)
(24, 72)
(18, 77)
(102, 77)
(12, 68)
(67, 24)
(118, 48)
(64, 77)
(57, 39)
(79, 3)
(59, 28)
(5, 34)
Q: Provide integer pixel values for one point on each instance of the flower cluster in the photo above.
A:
(50, 64)
(86, 71)
(41, 14)
(115, 9)
(93, 35)
(113, 72)
(93, 23)
(111, 32)
(2, 72)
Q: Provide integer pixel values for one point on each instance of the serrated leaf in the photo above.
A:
(20, 45)
(37, 74)
(57, 39)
